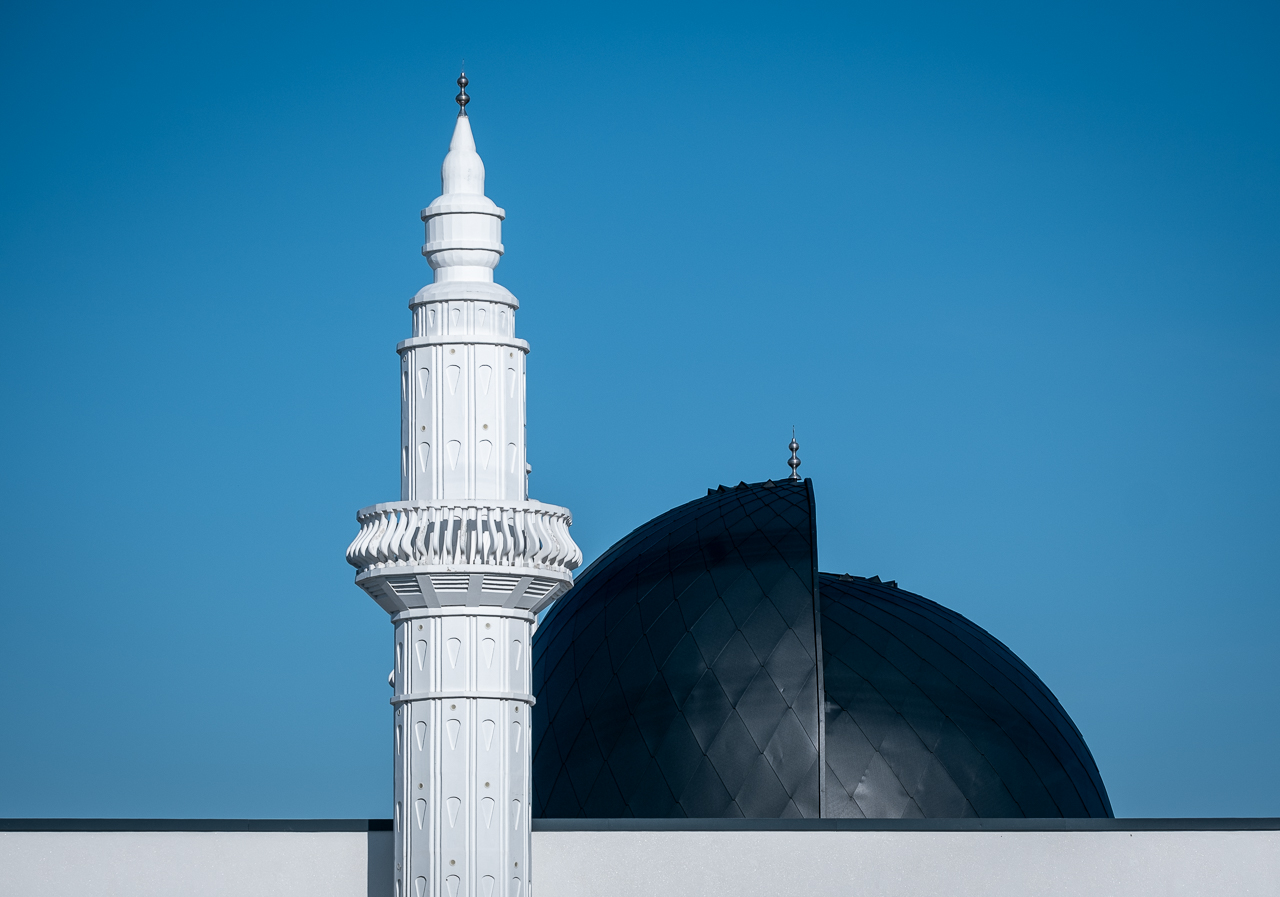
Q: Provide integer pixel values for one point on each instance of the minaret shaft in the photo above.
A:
(462, 387)
(463, 562)
(461, 752)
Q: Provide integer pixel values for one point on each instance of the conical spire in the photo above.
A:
(464, 227)
(462, 171)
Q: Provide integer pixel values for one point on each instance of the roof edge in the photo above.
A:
(1192, 824)
(39, 824)
(1054, 824)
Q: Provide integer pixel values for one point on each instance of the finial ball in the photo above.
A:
(462, 99)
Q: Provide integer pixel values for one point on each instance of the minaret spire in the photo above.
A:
(464, 561)
(794, 461)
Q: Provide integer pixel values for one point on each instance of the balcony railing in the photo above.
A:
(457, 533)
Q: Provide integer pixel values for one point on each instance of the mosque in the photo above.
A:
(701, 710)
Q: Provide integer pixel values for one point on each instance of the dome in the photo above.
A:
(703, 667)
(930, 715)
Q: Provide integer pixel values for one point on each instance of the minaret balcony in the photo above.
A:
(515, 554)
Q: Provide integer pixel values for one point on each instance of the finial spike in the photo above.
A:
(793, 462)
(462, 99)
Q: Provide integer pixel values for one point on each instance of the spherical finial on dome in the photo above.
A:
(793, 462)
(462, 99)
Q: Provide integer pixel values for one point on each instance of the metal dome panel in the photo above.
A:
(679, 677)
(930, 715)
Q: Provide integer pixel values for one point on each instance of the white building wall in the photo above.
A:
(906, 864)
(668, 863)
(195, 864)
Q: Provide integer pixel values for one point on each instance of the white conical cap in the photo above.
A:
(463, 226)
(462, 172)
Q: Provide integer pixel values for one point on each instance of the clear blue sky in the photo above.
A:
(1012, 271)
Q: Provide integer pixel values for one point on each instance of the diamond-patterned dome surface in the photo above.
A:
(680, 677)
(929, 715)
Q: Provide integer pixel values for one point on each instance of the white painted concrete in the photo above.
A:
(462, 769)
(672, 864)
(195, 864)
(918, 864)
(463, 561)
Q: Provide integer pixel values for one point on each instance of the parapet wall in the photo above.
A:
(674, 858)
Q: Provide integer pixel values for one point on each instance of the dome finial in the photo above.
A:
(793, 462)
(462, 99)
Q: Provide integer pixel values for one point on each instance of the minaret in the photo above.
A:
(463, 561)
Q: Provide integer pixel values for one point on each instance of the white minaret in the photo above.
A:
(463, 561)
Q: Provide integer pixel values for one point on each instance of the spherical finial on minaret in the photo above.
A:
(793, 462)
(462, 99)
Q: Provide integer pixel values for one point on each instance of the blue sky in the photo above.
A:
(1011, 271)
